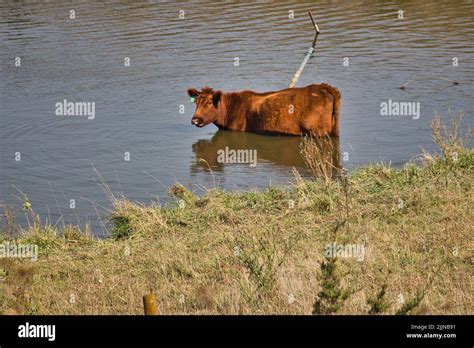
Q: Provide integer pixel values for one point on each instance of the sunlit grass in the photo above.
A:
(263, 252)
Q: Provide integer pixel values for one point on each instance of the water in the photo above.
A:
(137, 107)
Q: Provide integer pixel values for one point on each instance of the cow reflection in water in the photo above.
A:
(282, 151)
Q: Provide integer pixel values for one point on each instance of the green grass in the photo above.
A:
(263, 252)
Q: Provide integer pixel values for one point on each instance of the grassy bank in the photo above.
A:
(263, 252)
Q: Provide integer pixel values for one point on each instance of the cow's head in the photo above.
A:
(207, 102)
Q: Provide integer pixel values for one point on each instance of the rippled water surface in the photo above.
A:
(137, 107)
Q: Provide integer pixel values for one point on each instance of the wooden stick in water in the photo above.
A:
(297, 74)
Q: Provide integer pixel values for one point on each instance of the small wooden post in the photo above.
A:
(149, 303)
(297, 74)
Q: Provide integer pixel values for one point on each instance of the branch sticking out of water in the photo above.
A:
(315, 28)
(297, 74)
(436, 77)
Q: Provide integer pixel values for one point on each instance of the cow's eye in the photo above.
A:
(209, 103)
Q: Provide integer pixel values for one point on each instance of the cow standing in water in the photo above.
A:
(294, 111)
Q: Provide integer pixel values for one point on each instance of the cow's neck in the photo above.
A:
(222, 120)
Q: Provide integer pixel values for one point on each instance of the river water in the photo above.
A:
(367, 49)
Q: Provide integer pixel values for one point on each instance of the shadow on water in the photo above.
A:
(276, 150)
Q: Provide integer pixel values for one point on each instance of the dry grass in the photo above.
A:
(261, 252)
(318, 154)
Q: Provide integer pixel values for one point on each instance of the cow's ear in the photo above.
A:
(193, 92)
(216, 98)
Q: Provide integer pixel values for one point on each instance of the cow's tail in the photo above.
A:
(335, 110)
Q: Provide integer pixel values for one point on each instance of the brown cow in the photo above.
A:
(293, 111)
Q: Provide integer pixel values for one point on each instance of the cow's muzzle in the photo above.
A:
(198, 122)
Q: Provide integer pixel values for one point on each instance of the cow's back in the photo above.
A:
(274, 112)
(293, 111)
